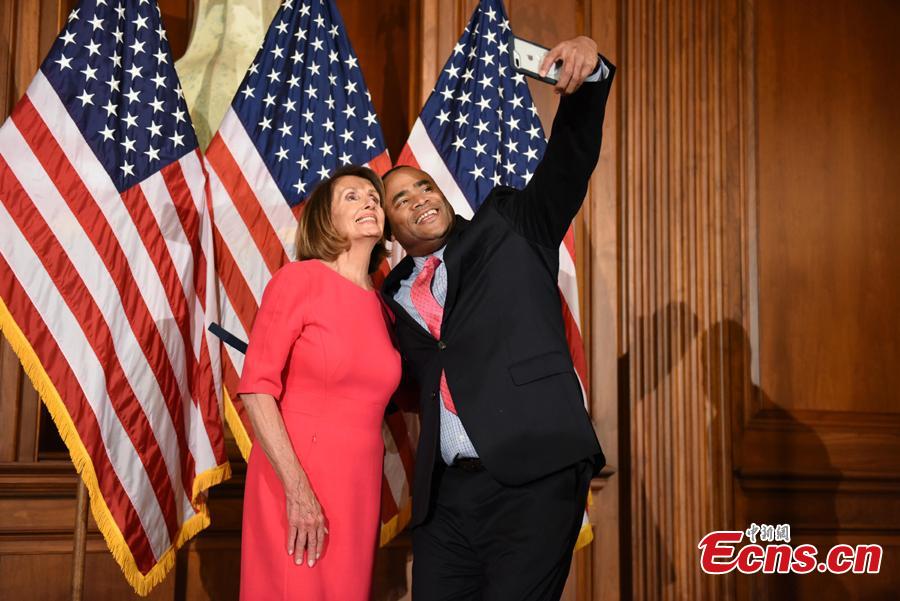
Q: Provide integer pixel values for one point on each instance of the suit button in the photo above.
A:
(442, 345)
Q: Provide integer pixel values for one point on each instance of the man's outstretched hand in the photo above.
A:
(579, 59)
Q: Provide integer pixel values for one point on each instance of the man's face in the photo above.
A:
(419, 214)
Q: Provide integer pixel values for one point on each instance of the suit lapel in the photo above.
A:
(452, 258)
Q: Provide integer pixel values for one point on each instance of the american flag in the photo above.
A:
(478, 129)
(302, 111)
(104, 281)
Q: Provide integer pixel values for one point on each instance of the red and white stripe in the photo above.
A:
(111, 292)
(254, 236)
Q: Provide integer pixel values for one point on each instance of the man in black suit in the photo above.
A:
(506, 451)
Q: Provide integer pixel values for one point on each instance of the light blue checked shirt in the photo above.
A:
(455, 442)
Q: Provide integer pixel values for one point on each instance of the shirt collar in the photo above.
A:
(420, 261)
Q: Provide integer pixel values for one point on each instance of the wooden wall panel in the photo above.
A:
(680, 277)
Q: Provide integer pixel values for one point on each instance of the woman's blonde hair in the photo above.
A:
(317, 238)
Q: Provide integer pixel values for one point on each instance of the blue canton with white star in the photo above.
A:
(112, 68)
(480, 116)
(304, 102)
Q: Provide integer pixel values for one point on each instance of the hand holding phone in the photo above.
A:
(566, 65)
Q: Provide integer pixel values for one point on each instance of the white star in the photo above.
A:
(116, 59)
(332, 79)
(273, 76)
(314, 69)
(285, 129)
(534, 132)
(447, 93)
(531, 153)
(491, 37)
(330, 102)
(107, 133)
(468, 75)
(158, 80)
(516, 102)
(269, 99)
(308, 115)
(350, 87)
(479, 149)
(504, 24)
(304, 10)
(464, 98)
(369, 142)
(458, 48)
(370, 119)
(317, 44)
(332, 56)
(334, 31)
(121, 10)
(311, 92)
(157, 105)
(134, 71)
(128, 144)
(461, 119)
(486, 82)
(110, 108)
(130, 120)
(484, 104)
(63, 62)
(512, 123)
(347, 136)
(294, 81)
(491, 15)
(93, 48)
(300, 35)
(319, 21)
(277, 52)
(89, 73)
(345, 158)
(73, 15)
(328, 124)
(138, 47)
(452, 71)
(178, 114)
(96, 22)
(127, 168)
(289, 105)
(133, 95)
(266, 123)
(155, 129)
(519, 78)
(118, 35)
(527, 176)
(297, 57)
(323, 172)
(303, 162)
(152, 153)
(247, 91)
(176, 140)
(487, 59)
(140, 23)
(349, 111)
(477, 172)
(254, 68)
(282, 27)
(496, 179)
(161, 32)
(161, 56)
(443, 117)
(458, 143)
(306, 139)
(350, 62)
(300, 187)
(282, 153)
(69, 38)
(511, 146)
(533, 110)
(510, 167)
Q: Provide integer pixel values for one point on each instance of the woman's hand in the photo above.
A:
(306, 524)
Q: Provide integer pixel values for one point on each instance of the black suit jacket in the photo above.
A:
(503, 344)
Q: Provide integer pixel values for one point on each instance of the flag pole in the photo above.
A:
(80, 542)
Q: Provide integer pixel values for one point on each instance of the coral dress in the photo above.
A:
(321, 347)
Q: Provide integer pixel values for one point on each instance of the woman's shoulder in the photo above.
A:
(296, 274)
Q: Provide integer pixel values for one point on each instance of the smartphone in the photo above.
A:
(527, 58)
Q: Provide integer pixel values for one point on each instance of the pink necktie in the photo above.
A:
(432, 312)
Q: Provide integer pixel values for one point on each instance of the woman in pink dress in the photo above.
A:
(318, 374)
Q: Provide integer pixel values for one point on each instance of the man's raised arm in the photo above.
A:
(545, 208)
